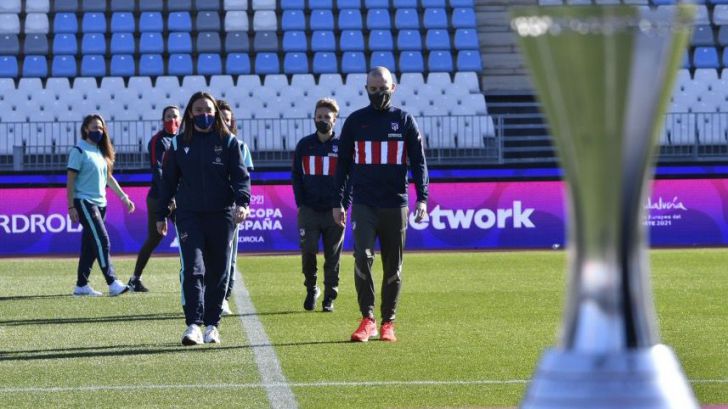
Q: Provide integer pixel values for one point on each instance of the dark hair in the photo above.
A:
(188, 122)
(224, 106)
(105, 145)
(164, 111)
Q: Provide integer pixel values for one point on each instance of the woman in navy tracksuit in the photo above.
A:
(204, 171)
(90, 166)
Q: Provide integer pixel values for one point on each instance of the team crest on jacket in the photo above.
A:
(218, 150)
(395, 126)
(335, 148)
(187, 150)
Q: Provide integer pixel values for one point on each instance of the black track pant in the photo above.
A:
(205, 242)
(94, 242)
(153, 238)
(390, 226)
(313, 225)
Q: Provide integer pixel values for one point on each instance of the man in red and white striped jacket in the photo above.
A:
(377, 145)
(314, 164)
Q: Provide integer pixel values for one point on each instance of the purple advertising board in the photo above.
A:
(462, 215)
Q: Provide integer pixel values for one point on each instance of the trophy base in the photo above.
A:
(648, 378)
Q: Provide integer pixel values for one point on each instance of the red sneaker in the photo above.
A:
(388, 332)
(367, 329)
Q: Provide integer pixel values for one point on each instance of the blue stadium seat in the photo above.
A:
(469, 60)
(703, 36)
(237, 64)
(407, 19)
(65, 44)
(353, 62)
(463, 17)
(466, 39)
(433, 3)
(34, 23)
(294, 41)
(437, 40)
(724, 59)
(93, 23)
(292, 4)
(351, 40)
(63, 66)
(179, 43)
(179, 5)
(295, 63)
(293, 20)
(122, 5)
(208, 42)
(461, 3)
(378, 19)
(151, 43)
(723, 35)
(321, 20)
(179, 21)
(180, 64)
(65, 5)
(323, 41)
(267, 63)
(376, 4)
(435, 18)
(325, 63)
(384, 59)
(93, 5)
(9, 44)
(151, 65)
(151, 5)
(265, 41)
(213, 5)
(409, 4)
(237, 42)
(348, 4)
(65, 23)
(93, 66)
(381, 40)
(209, 64)
(93, 43)
(409, 40)
(36, 6)
(122, 65)
(8, 66)
(705, 57)
(350, 19)
(35, 66)
(35, 44)
(122, 43)
(320, 4)
(440, 61)
(207, 21)
(411, 61)
(151, 21)
(123, 22)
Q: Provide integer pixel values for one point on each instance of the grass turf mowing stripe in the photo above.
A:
(98, 388)
(279, 392)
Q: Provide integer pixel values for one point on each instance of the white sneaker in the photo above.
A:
(117, 288)
(226, 308)
(212, 335)
(86, 290)
(192, 335)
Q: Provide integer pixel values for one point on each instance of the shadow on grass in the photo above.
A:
(91, 320)
(34, 297)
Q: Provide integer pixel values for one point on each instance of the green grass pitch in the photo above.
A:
(471, 328)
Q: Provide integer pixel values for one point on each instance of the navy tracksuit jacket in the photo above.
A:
(207, 178)
(314, 166)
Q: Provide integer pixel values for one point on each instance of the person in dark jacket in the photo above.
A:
(314, 163)
(204, 171)
(157, 146)
(377, 144)
(229, 119)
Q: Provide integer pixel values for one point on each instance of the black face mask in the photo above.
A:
(381, 101)
(323, 127)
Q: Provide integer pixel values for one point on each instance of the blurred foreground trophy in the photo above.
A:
(604, 76)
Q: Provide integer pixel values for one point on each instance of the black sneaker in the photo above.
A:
(310, 302)
(328, 304)
(137, 286)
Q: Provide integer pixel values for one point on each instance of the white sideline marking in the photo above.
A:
(98, 388)
(276, 386)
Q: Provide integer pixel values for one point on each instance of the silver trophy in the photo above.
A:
(604, 76)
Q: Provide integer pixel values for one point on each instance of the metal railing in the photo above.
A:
(458, 140)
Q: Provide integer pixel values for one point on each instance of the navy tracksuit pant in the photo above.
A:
(205, 242)
(94, 242)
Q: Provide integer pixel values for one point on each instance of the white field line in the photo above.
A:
(482, 382)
